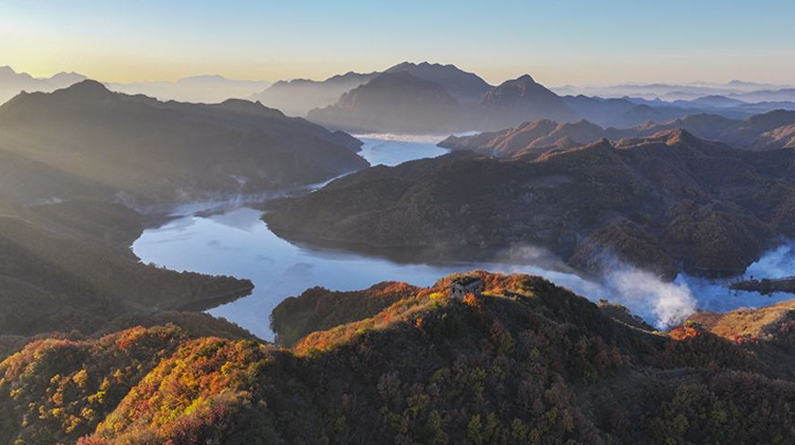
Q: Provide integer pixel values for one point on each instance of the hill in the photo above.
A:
(67, 267)
(522, 100)
(394, 102)
(81, 380)
(51, 281)
(13, 83)
(761, 132)
(604, 112)
(527, 362)
(483, 107)
(466, 88)
(665, 203)
(298, 96)
(430, 98)
(534, 138)
(88, 141)
(319, 309)
(782, 137)
(205, 88)
(711, 101)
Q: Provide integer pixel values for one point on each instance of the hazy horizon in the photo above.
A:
(557, 44)
(626, 82)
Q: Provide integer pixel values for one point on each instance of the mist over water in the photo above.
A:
(713, 295)
(236, 242)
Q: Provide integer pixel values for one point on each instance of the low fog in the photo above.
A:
(662, 303)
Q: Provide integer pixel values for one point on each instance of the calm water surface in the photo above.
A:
(236, 242)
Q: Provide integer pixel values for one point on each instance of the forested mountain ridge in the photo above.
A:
(526, 362)
(664, 203)
(394, 102)
(760, 132)
(67, 266)
(88, 141)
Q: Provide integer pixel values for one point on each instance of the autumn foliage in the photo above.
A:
(525, 363)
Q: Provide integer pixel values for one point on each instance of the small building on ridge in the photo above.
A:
(467, 284)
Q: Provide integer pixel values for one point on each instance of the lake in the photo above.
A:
(233, 240)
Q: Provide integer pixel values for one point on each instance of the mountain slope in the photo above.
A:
(55, 282)
(319, 309)
(600, 111)
(206, 89)
(298, 96)
(527, 362)
(466, 88)
(432, 99)
(394, 102)
(523, 100)
(533, 138)
(657, 203)
(761, 132)
(782, 137)
(68, 267)
(113, 144)
(12, 83)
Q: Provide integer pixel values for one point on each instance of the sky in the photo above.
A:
(557, 42)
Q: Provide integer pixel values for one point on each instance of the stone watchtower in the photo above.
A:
(468, 284)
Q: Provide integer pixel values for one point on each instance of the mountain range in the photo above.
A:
(12, 83)
(432, 98)
(467, 88)
(745, 91)
(86, 141)
(760, 132)
(67, 266)
(525, 362)
(205, 88)
(98, 348)
(419, 101)
(296, 97)
(480, 106)
(394, 102)
(664, 203)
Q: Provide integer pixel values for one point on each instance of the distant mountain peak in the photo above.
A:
(407, 65)
(521, 87)
(525, 78)
(9, 73)
(603, 143)
(249, 107)
(88, 86)
(680, 133)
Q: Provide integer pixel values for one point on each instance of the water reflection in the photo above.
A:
(383, 150)
(236, 242)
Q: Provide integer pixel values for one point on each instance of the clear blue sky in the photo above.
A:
(558, 42)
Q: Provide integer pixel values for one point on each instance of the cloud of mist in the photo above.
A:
(662, 303)
(713, 295)
(399, 137)
(526, 254)
(669, 303)
(776, 263)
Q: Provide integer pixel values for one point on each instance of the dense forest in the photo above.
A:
(86, 141)
(67, 267)
(665, 203)
(525, 362)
